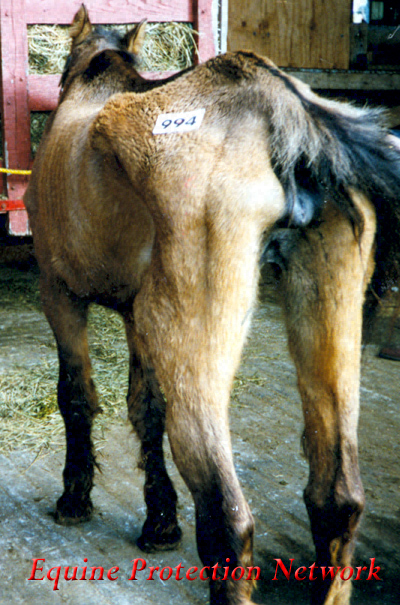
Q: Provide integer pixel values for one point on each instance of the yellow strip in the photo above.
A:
(9, 171)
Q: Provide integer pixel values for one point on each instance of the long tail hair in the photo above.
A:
(323, 149)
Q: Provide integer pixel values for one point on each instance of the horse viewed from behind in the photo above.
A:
(167, 227)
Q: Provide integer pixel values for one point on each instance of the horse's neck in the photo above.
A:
(96, 91)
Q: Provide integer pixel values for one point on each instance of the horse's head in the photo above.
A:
(93, 47)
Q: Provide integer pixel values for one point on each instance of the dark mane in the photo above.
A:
(113, 62)
(112, 39)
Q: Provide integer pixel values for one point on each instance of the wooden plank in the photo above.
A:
(3, 177)
(305, 33)
(202, 23)
(44, 89)
(109, 11)
(15, 112)
(348, 80)
(43, 92)
(18, 223)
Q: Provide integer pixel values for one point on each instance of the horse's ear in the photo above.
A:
(80, 27)
(134, 39)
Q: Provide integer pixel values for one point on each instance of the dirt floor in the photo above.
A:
(266, 424)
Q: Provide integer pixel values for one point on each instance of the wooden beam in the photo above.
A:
(14, 100)
(293, 33)
(43, 92)
(347, 80)
(44, 89)
(202, 23)
(109, 11)
(18, 223)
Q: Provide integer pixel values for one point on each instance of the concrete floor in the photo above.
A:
(266, 427)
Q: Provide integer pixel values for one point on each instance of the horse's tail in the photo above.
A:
(324, 149)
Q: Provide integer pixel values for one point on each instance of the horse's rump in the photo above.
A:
(320, 150)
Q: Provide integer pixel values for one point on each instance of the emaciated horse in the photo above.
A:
(168, 229)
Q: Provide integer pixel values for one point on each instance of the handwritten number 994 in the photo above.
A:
(179, 121)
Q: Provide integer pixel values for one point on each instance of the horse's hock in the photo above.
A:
(24, 94)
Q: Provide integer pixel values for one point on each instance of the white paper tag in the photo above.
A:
(184, 121)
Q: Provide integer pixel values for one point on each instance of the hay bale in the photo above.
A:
(48, 48)
(167, 47)
(38, 122)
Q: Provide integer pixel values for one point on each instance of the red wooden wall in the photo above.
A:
(22, 93)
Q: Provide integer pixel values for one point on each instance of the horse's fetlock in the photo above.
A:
(160, 534)
(73, 508)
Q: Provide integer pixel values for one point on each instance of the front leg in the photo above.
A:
(77, 399)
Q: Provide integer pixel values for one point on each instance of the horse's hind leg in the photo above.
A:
(146, 408)
(323, 295)
(196, 372)
(197, 423)
(200, 442)
(77, 398)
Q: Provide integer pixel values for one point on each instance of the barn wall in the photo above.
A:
(293, 33)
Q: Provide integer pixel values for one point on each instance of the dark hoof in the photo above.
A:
(71, 510)
(390, 353)
(152, 542)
